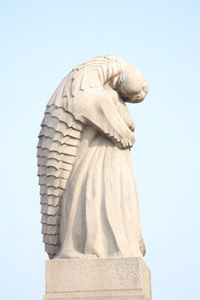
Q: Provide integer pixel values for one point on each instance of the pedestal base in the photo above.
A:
(97, 279)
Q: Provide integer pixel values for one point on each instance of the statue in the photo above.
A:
(89, 200)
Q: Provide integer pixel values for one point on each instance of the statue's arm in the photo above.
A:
(98, 109)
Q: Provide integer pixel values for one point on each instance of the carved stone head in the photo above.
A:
(131, 85)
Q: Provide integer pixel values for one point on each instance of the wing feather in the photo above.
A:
(58, 145)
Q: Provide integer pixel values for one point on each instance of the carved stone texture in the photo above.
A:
(89, 201)
(114, 278)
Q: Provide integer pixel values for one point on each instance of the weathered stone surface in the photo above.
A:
(114, 278)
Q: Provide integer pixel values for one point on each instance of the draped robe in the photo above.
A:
(100, 215)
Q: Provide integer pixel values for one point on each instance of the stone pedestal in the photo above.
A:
(97, 279)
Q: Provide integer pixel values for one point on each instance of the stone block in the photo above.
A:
(97, 279)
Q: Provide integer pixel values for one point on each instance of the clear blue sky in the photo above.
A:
(40, 42)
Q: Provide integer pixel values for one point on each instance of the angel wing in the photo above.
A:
(58, 145)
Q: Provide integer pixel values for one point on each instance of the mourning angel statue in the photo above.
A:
(89, 200)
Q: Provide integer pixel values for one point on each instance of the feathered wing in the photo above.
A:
(58, 145)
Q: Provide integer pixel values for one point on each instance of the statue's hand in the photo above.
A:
(126, 142)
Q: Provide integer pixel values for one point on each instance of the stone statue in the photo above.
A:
(89, 200)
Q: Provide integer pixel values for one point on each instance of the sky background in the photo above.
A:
(40, 42)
